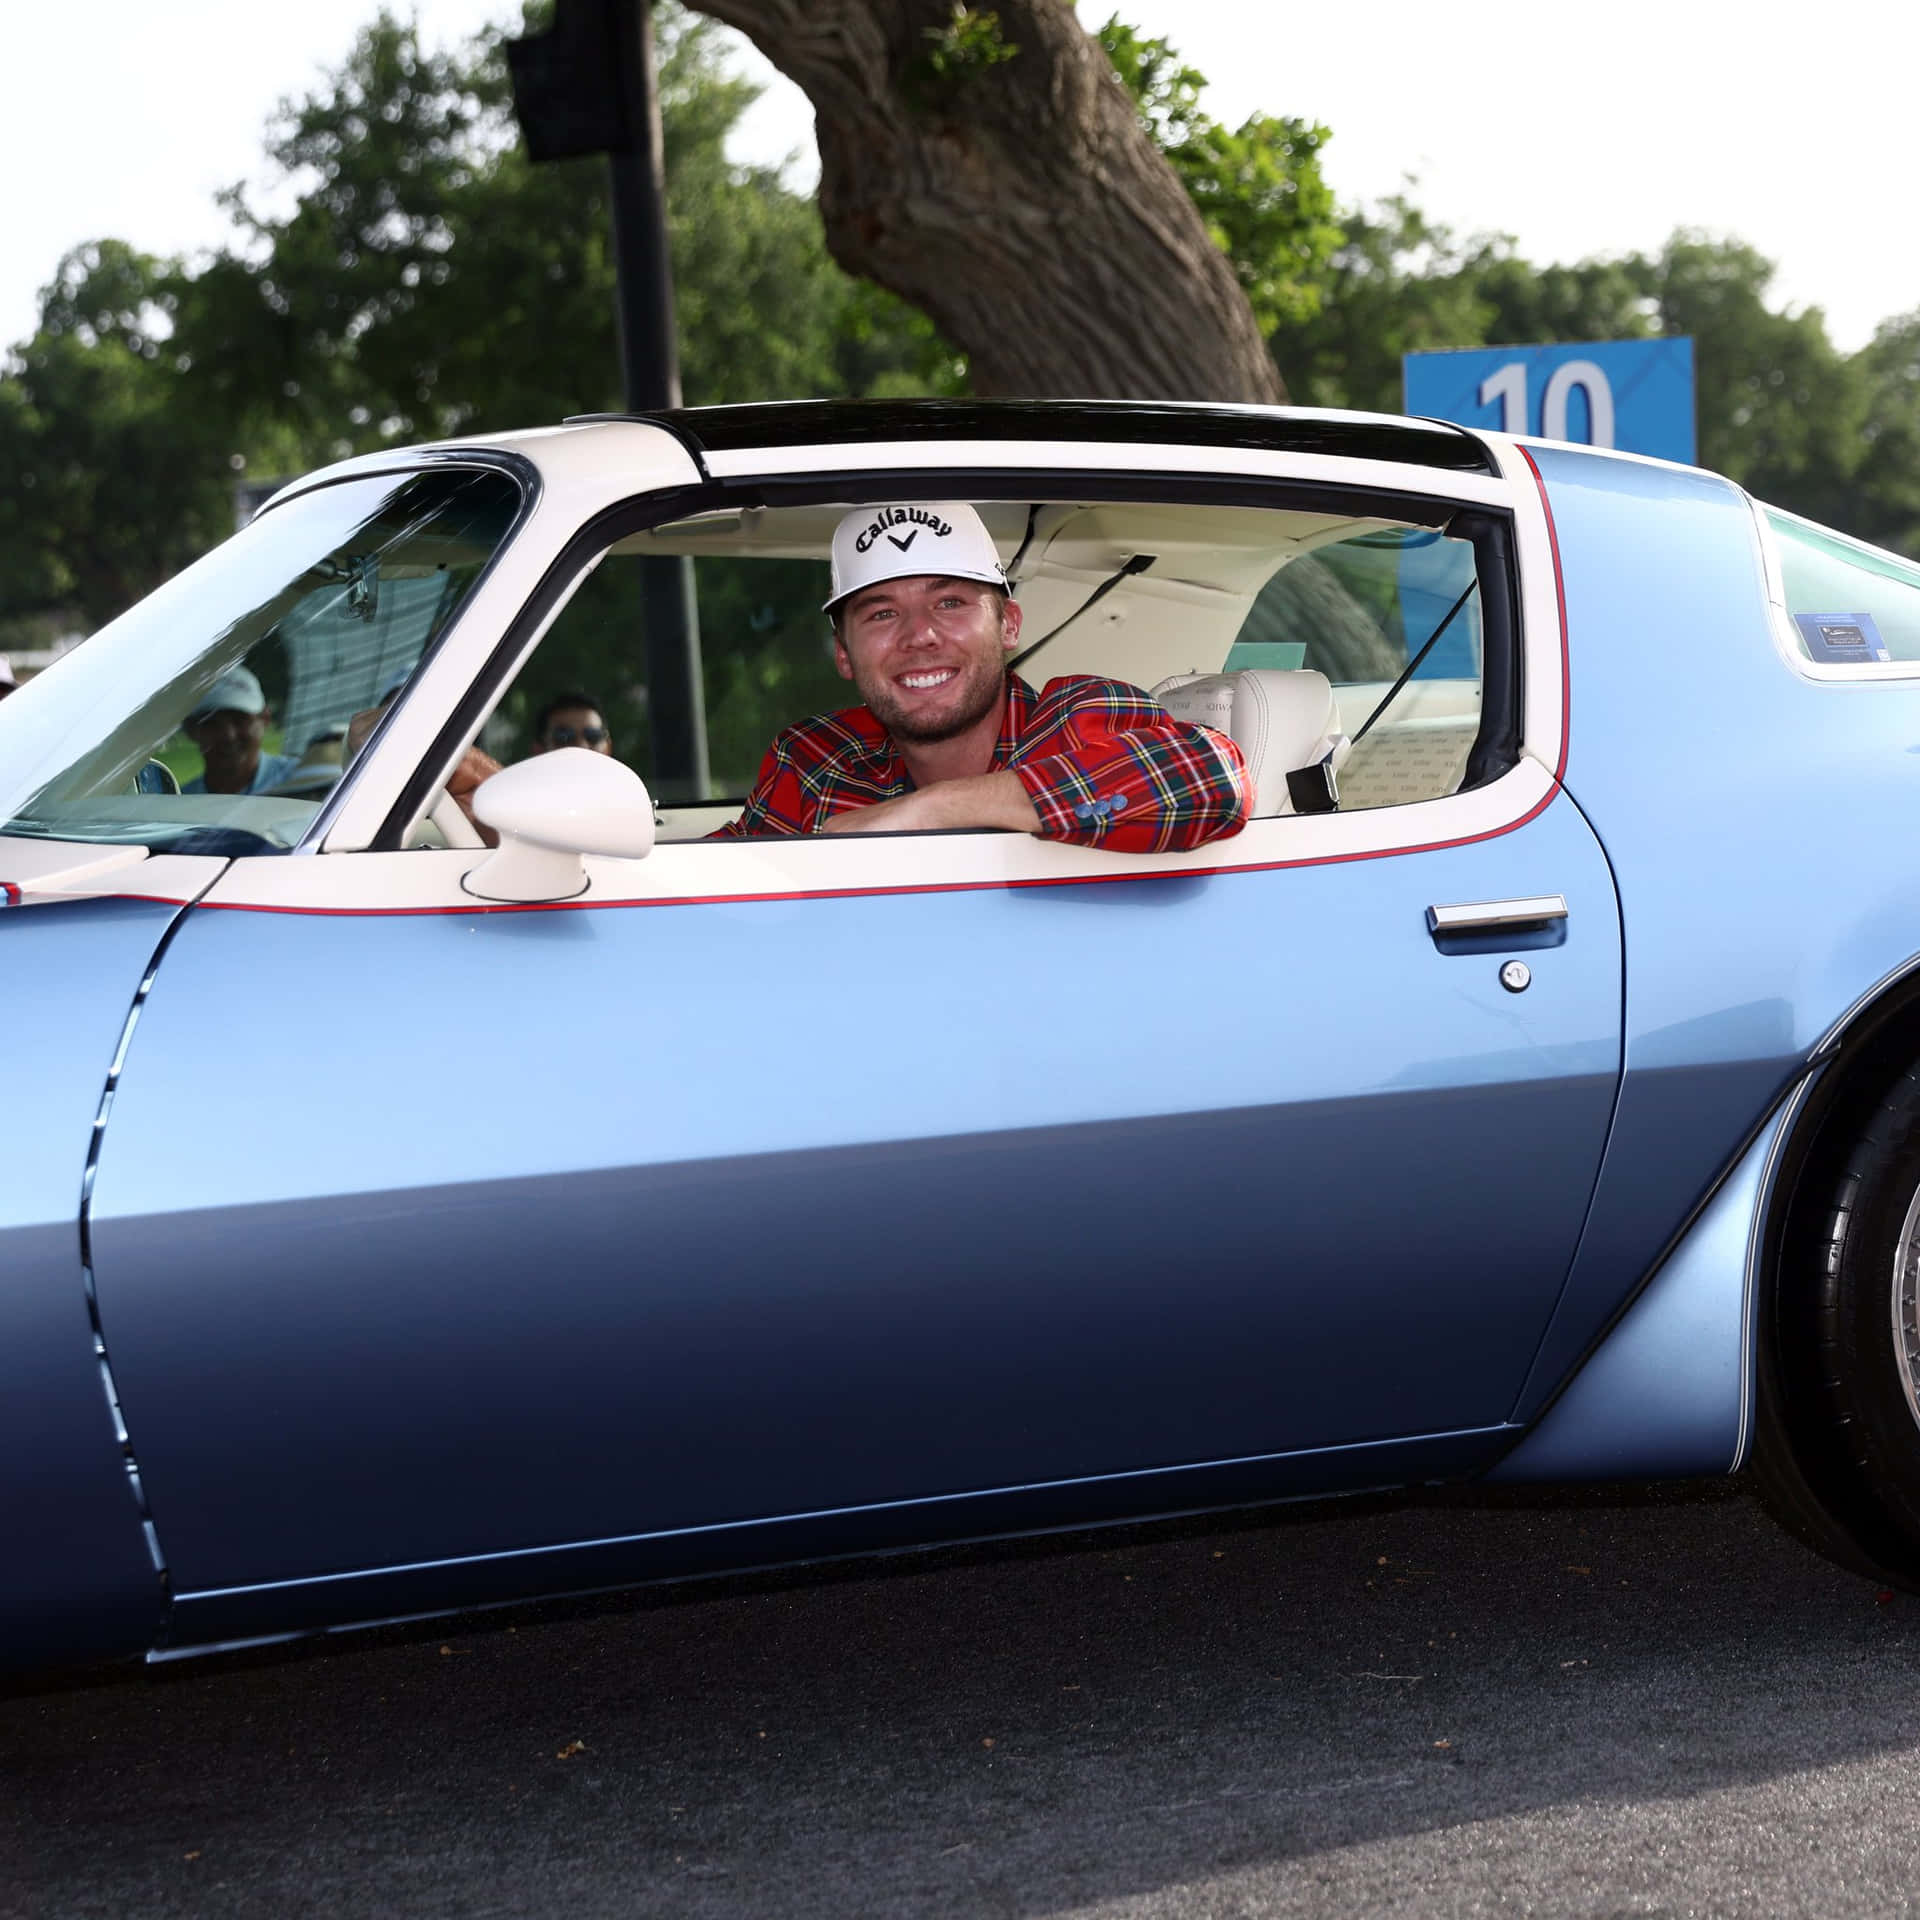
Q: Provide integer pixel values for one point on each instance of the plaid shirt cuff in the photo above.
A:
(1160, 789)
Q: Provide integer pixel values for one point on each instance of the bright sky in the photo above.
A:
(1578, 129)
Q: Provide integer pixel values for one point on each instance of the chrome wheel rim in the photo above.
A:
(1906, 1306)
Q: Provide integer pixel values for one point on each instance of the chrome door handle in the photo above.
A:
(1491, 916)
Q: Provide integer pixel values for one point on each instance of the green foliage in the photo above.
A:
(422, 279)
(92, 436)
(1779, 408)
(1782, 410)
(1889, 469)
(1259, 188)
(1400, 284)
(965, 46)
(432, 280)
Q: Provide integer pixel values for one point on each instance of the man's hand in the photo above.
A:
(474, 766)
(985, 800)
(362, 724)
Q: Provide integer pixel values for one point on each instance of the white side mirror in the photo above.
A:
(550, 812)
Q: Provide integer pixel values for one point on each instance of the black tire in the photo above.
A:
(1839, 1444)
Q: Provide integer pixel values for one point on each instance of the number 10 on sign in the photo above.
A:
(1506, 387)
(1636, 395)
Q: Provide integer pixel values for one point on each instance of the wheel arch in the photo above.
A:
(1857, 1063)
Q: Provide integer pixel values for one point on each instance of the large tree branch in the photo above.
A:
(1017, 202)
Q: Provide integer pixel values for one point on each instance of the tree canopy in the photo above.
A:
(401, 271)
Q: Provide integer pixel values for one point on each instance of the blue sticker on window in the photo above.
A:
(1846, 639)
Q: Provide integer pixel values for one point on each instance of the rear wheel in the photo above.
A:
(1839, 1455)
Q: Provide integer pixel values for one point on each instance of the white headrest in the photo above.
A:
(1280, 721)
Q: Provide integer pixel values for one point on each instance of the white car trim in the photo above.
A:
(706, 872)
(582, 471)
(27, 874)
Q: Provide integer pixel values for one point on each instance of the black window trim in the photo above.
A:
(1403, 439)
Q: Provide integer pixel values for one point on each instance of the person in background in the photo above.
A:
(571, 720)
(228, 726)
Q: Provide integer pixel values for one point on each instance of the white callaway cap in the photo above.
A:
(939, 537)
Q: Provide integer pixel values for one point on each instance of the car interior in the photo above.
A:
(1293, 631)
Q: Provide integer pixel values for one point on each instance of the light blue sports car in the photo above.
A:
(422, 1194)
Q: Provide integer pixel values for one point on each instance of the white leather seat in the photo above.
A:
(1280, 721)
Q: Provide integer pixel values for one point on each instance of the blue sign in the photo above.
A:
(1636, 395)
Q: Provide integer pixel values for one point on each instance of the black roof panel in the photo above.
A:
(797, 423)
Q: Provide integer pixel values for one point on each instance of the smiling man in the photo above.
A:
(948, 736)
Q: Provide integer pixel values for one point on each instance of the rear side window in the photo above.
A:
(1849, 604)
(1364, 610)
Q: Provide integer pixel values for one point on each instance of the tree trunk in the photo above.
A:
(989, 168)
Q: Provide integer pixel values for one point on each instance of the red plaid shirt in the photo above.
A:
(1104, 766)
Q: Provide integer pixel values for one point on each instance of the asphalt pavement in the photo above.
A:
(1600, 1704)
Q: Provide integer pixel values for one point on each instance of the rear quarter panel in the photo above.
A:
(1758, 826)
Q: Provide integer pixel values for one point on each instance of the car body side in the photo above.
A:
(1739, 805)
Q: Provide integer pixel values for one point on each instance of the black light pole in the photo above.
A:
(587, 86)
(649, 354)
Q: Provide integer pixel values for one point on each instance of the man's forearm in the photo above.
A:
(983, 800)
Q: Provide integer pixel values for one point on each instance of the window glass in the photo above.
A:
(1363, 609)
(213, 716)
(1849, 603)
(765, 651)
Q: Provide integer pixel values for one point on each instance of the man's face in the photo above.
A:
(229, 741)
(927, 654)
(576, 727)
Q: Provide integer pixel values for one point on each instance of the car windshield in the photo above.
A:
(213, 717)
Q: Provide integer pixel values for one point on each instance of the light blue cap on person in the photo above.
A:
(236, 691)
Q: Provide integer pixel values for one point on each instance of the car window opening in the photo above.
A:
(1349, 630)
(1196, 604)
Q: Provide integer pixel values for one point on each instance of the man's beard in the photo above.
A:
(982, 691)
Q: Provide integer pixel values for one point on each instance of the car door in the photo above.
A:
(430, 1233)
(966, 1180)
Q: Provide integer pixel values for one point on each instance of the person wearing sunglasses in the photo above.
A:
(571, 720)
